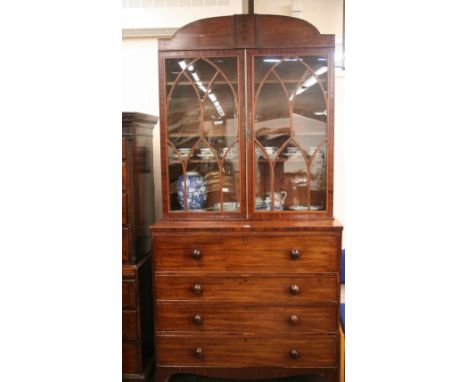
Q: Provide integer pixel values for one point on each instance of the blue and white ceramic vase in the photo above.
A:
(196, 191)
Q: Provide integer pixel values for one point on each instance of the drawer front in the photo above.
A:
(294, 289)
(202, 317)
(128, 295)
(129, 326)
(293, 350)
(124, 176)
(130, 358)
(293, 253)
(124, 208)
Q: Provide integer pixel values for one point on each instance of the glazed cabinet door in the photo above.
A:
(290, 122)
(202, 134)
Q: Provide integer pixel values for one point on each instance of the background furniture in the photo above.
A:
(247, 255)
(342, 321)
(137, 213)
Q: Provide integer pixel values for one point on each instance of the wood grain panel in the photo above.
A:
(225, 318)
(124, 176)
(124, 148)
(278, 31)
(131, 363)
(211, 33)
(129, 326)
(124, 208)
(126, 232)
(247, 253)
(315, 350)
(312, 288)
(128, 295)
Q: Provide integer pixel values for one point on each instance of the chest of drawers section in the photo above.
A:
(253, 299)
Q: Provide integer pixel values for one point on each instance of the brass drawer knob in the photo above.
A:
(294, 319)
(294, 289)
(196, 254)
(295, 254)
(198, 352)
(294, 354)
(197, 319)
(197, 289)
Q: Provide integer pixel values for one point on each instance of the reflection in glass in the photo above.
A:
(203, 133)
(290, 128)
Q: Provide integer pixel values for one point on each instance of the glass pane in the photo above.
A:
(203, 126)
(318, 179)
(290, 125)
(290, 188)
(230, 179)
(220, 115)
(262, 177)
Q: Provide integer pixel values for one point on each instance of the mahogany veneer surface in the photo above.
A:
(252, 294)
(231, 294)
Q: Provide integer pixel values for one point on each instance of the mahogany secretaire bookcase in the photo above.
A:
(247, 256)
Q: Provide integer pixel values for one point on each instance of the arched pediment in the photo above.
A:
(246, 31)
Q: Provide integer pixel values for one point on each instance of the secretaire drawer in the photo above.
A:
(292, 350)
(205, 317)
(310, 288)
(294, 253)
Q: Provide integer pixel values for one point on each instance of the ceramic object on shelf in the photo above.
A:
(196, 191)
(229, 153)
(184, 153)
(298, 207)
(206, 156)
(279, 197)
(227, 206)
(271, 151)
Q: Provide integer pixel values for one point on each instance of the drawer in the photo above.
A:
(202, 317)
(124, 176)
(295, 253)
(311, 288)
(129, 326)
(291, 350)
(128, 295)
(124, 208)
(130, 358)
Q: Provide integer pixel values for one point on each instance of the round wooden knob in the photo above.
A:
(198, 352)
(294, 354)
(196, 254)
(294, 289)
(197, 319)
(295, 254)
(294, 319)
(197, 289)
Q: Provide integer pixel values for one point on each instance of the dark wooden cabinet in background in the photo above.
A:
(137, 214)
(247, 256)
